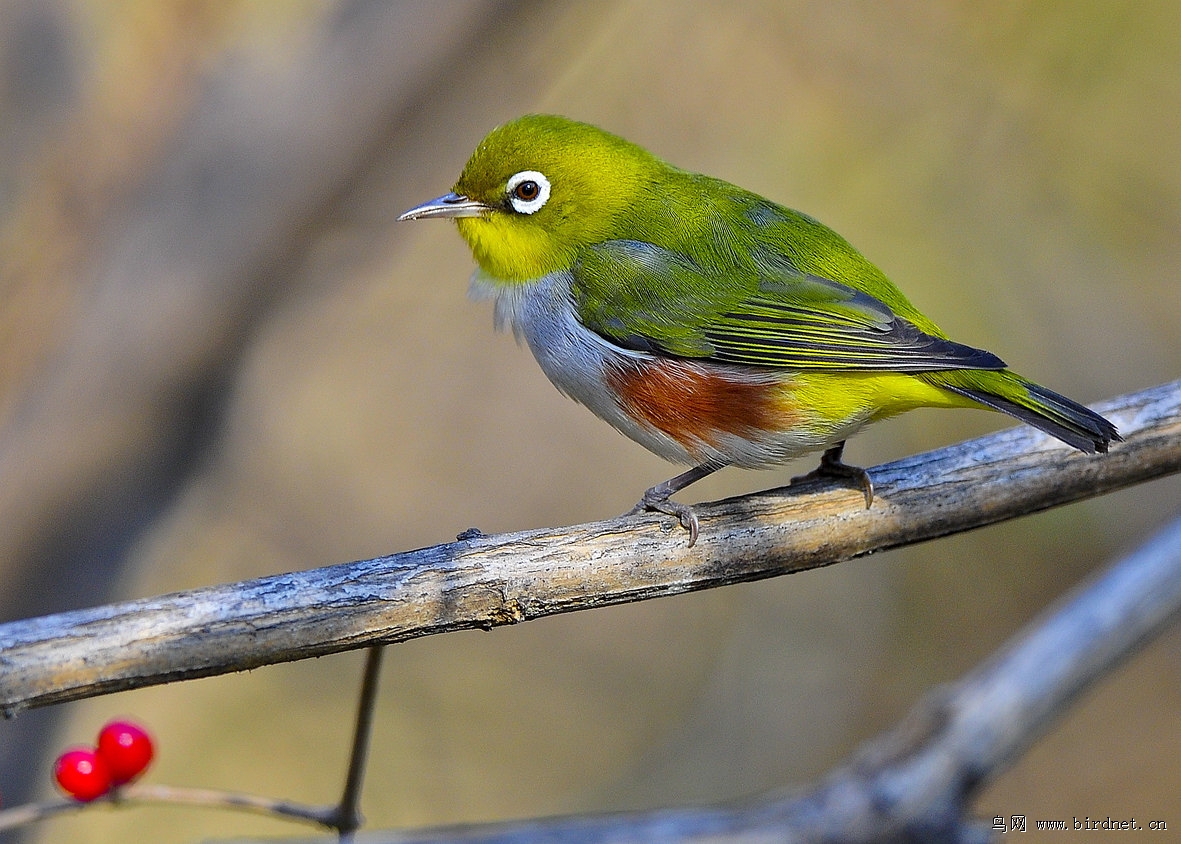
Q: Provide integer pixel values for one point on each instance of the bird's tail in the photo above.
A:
(1047, 411)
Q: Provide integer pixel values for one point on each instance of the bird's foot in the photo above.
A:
(657, 500)
(831, 466)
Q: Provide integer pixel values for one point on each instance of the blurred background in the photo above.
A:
(221, 358)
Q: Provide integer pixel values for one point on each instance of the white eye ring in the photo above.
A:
(527, 191)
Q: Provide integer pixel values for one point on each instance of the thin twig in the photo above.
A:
(348, 813)
(486, 581)
(140, 793)
(29, 813)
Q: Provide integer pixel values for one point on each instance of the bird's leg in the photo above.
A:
(831, 466)
(657, 498)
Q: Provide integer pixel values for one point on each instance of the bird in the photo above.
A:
(707, 323)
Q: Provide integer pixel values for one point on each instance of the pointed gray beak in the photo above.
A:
(449, 205)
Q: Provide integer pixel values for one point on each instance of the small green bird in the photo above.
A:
(712, 326)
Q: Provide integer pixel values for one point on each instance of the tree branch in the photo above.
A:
(486, 581)
(914, 783)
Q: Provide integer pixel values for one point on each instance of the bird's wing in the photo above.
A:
(765, 313)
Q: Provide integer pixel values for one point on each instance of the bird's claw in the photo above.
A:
(831, 466)
(683, 512)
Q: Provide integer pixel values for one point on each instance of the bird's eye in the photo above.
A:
(527, 191)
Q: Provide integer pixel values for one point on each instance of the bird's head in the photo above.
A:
(539, 189)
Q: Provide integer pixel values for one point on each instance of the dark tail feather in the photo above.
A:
(1057, 415)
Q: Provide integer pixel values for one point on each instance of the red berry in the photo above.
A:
(126, 748)
(82, 774)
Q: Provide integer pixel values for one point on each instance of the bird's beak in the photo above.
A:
(449, 205)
